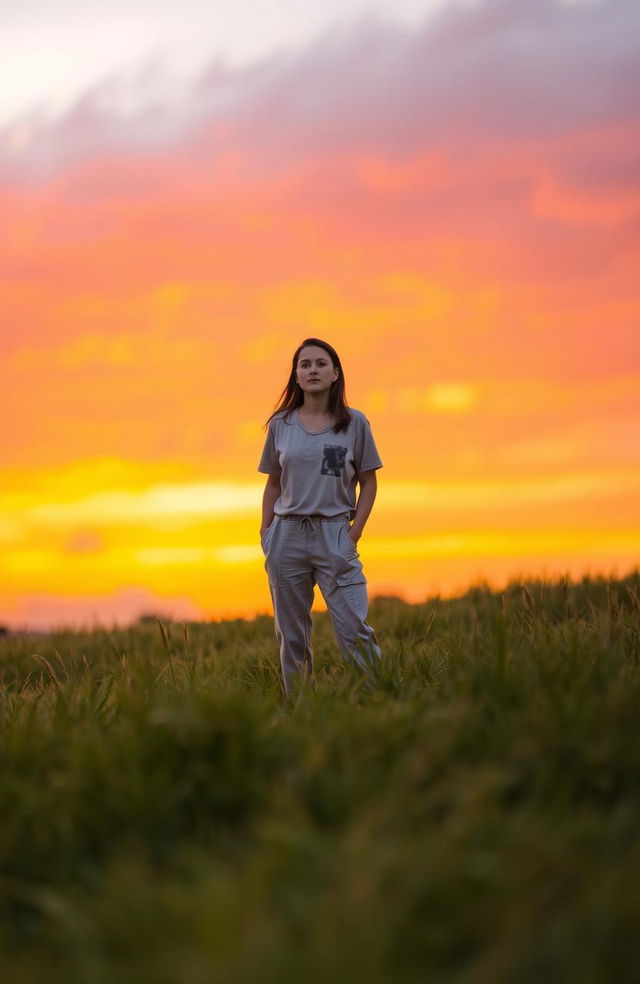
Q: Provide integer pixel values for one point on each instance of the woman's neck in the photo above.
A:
(315, 406)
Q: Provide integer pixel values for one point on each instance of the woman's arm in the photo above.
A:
(368, 488)
(269, 497)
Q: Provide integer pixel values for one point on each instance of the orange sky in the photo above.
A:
(470, 249)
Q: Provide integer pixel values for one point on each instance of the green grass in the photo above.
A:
(472, 817)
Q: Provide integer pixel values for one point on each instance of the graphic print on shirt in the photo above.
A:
(333, 460)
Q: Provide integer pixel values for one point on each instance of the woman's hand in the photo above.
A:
(269, 499)
(368, 488)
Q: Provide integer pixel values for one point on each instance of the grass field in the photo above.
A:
(472, 817)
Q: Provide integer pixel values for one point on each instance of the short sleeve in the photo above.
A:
(366, 452)
(269, 463)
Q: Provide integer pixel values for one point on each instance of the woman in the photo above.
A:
(317, 450)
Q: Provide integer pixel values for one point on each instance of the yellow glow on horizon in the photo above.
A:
(177, 506)
(198, 499)
(229, 581)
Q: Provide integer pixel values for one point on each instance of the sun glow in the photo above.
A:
(195, 542)
(479, 282)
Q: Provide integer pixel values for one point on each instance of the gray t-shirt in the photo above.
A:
(318, 472)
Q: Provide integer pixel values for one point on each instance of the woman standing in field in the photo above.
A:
(316, 452)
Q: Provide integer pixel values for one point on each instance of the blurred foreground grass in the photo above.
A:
(473, 817)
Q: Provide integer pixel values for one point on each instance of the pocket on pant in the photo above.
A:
(266, 536)
(354, 575)
(345, 544)
(348, 566)
(271, 549)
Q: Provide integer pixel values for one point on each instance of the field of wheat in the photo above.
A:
(471, 815)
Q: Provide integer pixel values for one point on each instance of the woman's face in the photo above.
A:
(315, 371)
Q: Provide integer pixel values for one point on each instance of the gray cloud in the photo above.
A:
(500, 70)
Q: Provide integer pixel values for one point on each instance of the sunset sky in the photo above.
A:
(448, 192)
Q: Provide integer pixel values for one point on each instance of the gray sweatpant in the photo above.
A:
(302, 551)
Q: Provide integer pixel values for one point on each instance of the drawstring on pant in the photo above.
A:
(311, 518)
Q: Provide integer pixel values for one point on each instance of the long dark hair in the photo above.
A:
(292, 396)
